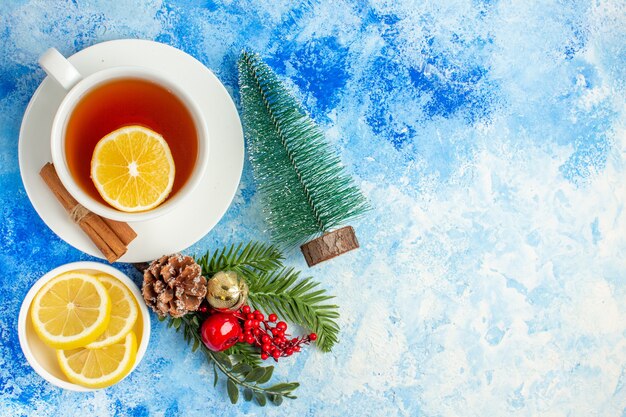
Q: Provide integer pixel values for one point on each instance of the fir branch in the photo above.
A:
(252, 258)
(273, 288)
(304, 188)
(239, 374)
(276, 289)
(298, 300)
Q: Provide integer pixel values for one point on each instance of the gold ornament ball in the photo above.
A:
(227, 291)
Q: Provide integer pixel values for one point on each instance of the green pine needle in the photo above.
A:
(277, 289)
(304, 188)
(299, 301)
(254, 257)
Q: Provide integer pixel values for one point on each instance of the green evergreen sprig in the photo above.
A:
(241, 371)
(304, 188)
(275, 288)
(252, 258)
(298, 300)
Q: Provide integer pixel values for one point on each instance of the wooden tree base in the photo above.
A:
(329, 245)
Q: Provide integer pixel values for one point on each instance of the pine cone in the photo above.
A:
(174, 285)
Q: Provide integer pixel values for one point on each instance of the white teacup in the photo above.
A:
(77, 86)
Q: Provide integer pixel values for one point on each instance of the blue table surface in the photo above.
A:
(490, 139)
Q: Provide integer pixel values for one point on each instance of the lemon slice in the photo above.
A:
(124, 312)
(133, 169)
(71, 310)
(99, 368)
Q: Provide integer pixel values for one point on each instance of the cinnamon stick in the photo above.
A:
(122, 230)
(102, 234)
(104, 247)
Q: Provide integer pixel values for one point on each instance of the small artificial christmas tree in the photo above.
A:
(304, 189)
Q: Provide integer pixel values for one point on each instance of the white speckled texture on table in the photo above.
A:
(490, 139)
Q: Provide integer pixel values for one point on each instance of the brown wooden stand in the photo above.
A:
(329, 245)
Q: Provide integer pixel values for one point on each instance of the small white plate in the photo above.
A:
(197, 215)
(43, 358)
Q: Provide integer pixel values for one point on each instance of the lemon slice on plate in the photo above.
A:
(124, 312)
(71, 310)
(99, 368)
(133, 169)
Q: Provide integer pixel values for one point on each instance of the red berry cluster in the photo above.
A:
(271, 338)
(221, 330)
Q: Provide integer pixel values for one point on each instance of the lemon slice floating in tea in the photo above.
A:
(99, 368)
(133, 169)
(71, 310)
(124, 312)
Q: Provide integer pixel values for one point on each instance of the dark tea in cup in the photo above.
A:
(125, 102)
(129, 143)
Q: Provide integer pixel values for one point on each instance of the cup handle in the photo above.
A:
(59, 68)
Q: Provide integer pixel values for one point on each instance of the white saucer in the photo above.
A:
(197, 215)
